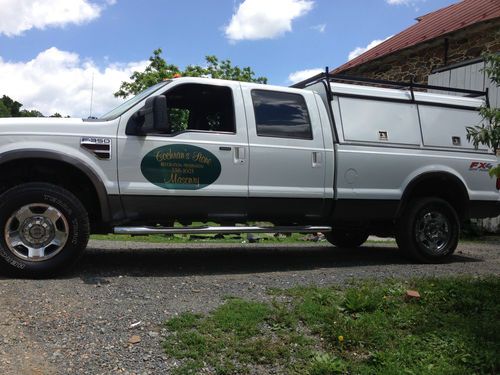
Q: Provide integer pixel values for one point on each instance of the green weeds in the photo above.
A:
(367, 328)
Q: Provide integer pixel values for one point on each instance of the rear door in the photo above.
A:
(287, 154)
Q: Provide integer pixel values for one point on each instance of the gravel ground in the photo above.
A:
(83, 323)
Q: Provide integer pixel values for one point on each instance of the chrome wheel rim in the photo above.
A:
(36, 232)
(433, 232)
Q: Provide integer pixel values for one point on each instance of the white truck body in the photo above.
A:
(329, 154)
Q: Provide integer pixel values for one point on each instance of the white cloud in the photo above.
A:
(17, 16)
(360, 50)
(321, 28)
(60, 81)
(265, 19)
(302, 75)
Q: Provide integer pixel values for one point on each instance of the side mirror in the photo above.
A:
(152, 118)
(155, 115)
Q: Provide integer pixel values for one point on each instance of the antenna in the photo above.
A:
(91, 96)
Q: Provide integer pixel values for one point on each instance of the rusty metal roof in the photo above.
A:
(431, 26)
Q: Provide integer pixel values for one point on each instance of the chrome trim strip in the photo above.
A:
(216, 230)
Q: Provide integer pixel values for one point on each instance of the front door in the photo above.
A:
(199, 169)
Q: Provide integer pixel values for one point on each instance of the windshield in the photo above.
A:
(122, 108)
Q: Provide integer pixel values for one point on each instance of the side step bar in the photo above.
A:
(215, 230)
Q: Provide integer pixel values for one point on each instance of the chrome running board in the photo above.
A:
(216, 230)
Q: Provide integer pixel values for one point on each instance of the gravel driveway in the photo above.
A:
(82, 323)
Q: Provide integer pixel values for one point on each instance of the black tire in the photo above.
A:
(428, 230)
(347, 237)
(44, 230)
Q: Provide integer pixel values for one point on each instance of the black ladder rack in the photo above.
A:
(327, 77)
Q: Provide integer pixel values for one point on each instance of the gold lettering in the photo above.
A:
(180, 180)
(199, 157)
(169, 155)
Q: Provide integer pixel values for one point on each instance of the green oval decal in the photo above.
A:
(182, 167)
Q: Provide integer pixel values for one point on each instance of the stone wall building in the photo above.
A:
(459, 32)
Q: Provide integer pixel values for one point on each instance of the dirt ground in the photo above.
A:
(83, 322)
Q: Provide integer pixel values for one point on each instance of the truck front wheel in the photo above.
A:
(428, 230)
(44, 230)
(347, 237)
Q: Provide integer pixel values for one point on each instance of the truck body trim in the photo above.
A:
(148, 208)
(418, 147)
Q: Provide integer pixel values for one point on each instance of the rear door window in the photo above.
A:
(281, 114)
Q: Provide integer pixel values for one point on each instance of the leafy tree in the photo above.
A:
(12, 106)
(488, 133)
(222, 70)
(30, 113)
(159, 70)
(4, 111)
(492, 67)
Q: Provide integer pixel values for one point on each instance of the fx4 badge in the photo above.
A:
(480, 166)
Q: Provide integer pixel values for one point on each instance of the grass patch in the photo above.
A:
(367, 328)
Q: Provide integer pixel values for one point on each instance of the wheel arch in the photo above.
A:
(444, 185)
(23, 158)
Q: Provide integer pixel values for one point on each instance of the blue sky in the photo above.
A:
(49, 53)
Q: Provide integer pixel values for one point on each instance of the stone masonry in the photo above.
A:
(418, 61)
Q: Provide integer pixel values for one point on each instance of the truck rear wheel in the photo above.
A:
(343, 237)
(428, 230)
(44, 230)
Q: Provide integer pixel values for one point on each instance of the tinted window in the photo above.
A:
(196, 107)
(280, 114)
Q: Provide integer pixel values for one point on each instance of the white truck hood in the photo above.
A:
(56, 126)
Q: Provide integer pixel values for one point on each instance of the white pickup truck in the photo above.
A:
(326, 156)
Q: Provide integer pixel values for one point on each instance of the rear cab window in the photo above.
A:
(281, 114)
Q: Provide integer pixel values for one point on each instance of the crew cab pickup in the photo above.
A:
(329, 155)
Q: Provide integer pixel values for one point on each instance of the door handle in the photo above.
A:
(317, 159)
(239, 155)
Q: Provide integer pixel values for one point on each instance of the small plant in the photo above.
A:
(326, 364)
(281, 317)
(362, 299)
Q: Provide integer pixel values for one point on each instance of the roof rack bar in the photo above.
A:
(405, 84)
(395, 84)
(314, 79)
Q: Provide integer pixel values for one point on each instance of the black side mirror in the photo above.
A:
(152, 118)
